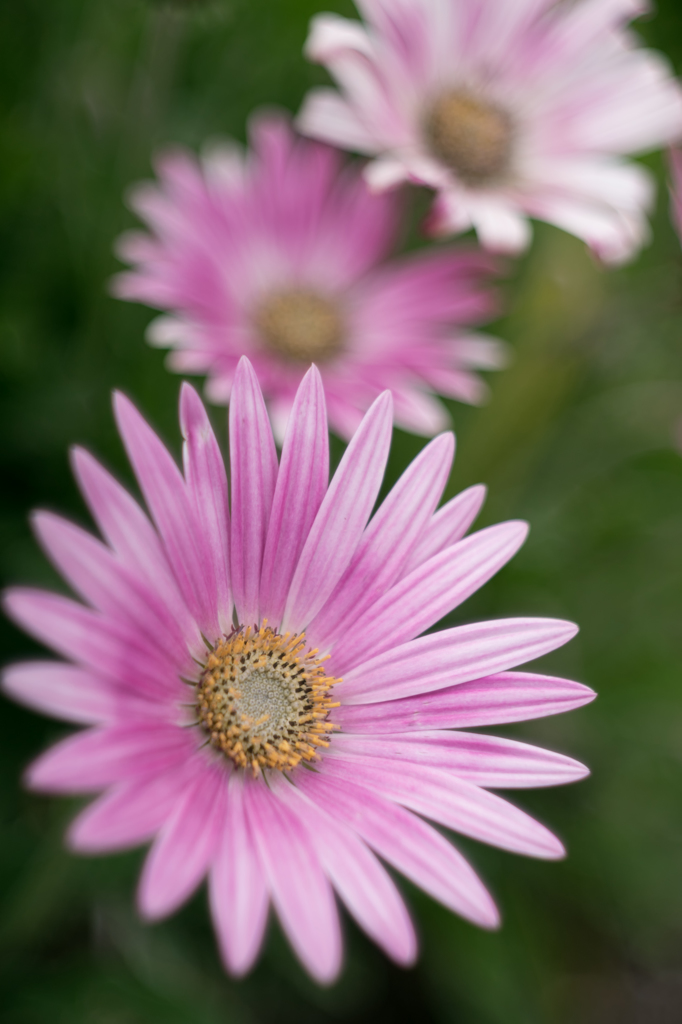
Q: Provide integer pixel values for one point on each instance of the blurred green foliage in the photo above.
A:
(578, 438)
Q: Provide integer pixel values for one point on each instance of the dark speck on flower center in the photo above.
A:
(264, 701)
(471, 136)
(300, 325)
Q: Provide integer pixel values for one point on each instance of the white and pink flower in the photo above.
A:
(280, 255)
(221, 649)
(509, 109)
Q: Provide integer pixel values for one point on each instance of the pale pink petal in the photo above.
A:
(507, 697)
(407, 843)
(63, 691)
(430, 591)
(301, 485)
(486, 761)
(183, 850)
(343, 515)
(115, 650)
(301, 893)
(102, 757)
(166, 496)
(448, 525)
(96, 574)
(450, 801)
(387, 542)
(207, 488)
(325, 116)
(452, 656)
(237, 890)
(130, 814)
(128, 531)
(253, 475)
(363, 885)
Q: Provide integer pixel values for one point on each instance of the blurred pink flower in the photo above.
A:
(508, 108)
(217, 648)
(277, 255)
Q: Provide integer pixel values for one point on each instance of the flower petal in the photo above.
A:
(487, 761)
(387, 541)
(253, 475)
(129, 814)
(448, 525)
(237, 890)
(450, 801)
(409, 844)
(343, 515)
(207, 489)
(114, 650)
(64, 691)
(301, 485)
(166, 496)
(183, 850)
(430, 591)
(301, 893)
(102, 757)
(507, 697)
(96, 574)
(453, 656)
(128, 531)
(364, 886)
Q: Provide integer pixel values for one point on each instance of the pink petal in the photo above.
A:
(129, 532)
(129, 814)
(507, 697)
(253, 473)
(207, 489)
(343, 515)
(430, 591)
(97, 575)
(365, 887)
(409, 844)
(301, 486)
(237, 890)
(387, 541)
(301, 894)
(448, 525)
(92, 760)
(114, 650)
(453, 656)
(486, 761)
(450, 801)
(166, 496)
(183, 850)
(63, 691)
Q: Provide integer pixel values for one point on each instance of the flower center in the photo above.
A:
(471, 136)
(300, 325)
(263, 701)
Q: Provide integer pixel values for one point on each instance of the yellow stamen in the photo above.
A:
(264, 701)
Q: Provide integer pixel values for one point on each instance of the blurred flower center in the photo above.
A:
(300, 325)
(264, 702)
(471, 136)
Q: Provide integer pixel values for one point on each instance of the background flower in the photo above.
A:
(184, 740)
(508, 110)
(278, 255)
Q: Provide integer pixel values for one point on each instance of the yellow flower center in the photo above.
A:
(300, 325)
(471, 136)
(263, 701)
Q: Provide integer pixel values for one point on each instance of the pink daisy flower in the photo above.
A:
(278, 255)
(219, 656)
(508, 108)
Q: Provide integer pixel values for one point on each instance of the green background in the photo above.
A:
(578, 438)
